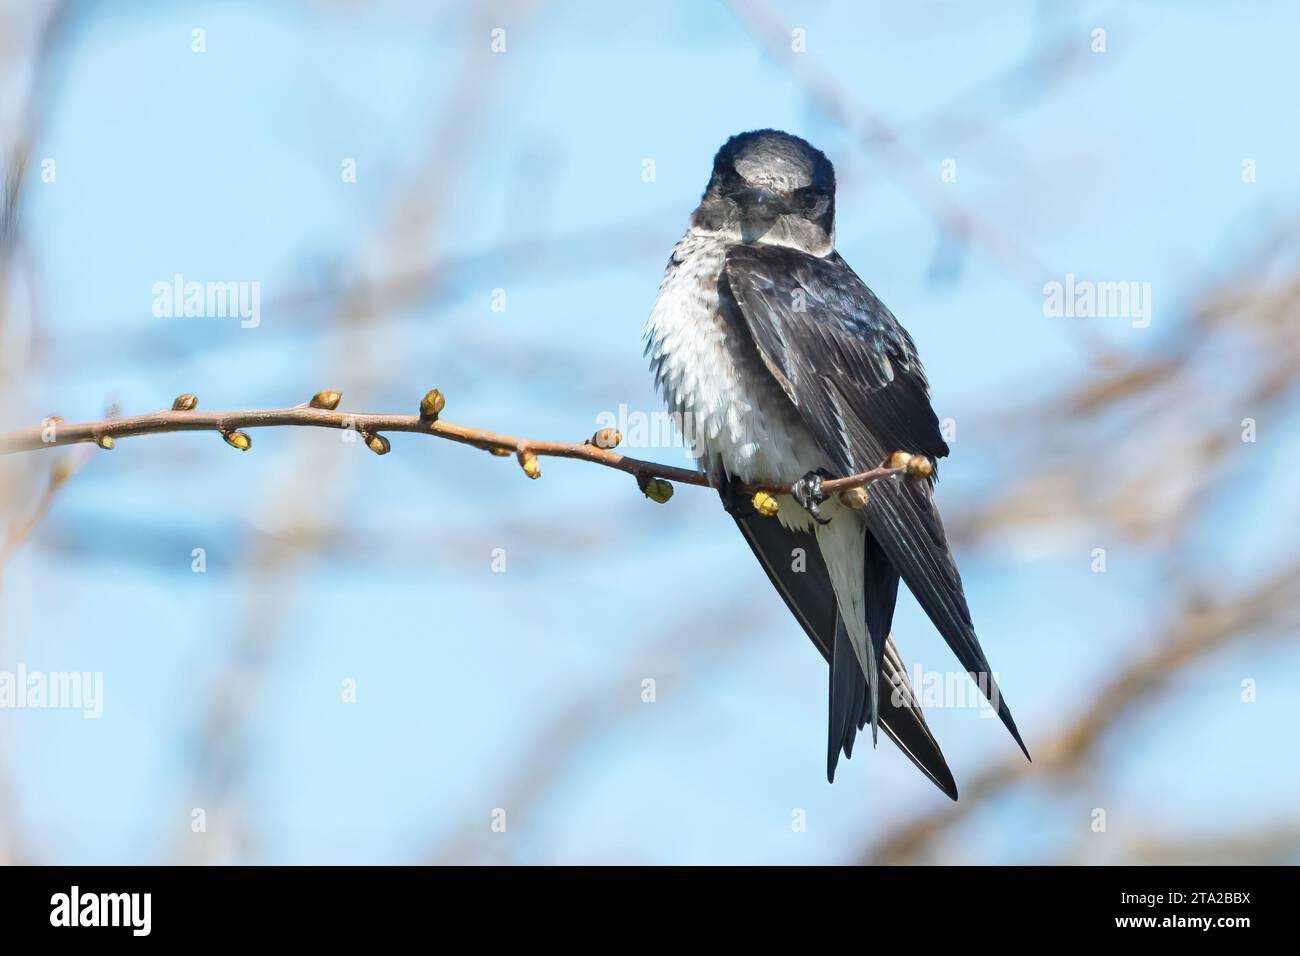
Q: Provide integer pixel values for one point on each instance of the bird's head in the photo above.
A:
(771, 187)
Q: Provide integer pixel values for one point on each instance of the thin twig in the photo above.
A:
(57, 433)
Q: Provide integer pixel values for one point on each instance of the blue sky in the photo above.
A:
(522, 171)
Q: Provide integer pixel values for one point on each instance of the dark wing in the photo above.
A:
(853, 373)
(810, 598)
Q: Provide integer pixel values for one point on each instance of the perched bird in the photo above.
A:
(786, 369)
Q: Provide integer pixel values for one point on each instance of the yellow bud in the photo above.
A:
(606, 438)
(919, 468)
(185, 403)
(528, 461)
(432, 404)
(378, 444)
(326, 400)
(855, 498)
(238, 440)
(501, 451)
(765, 504)
(658, 490)
(899, 459)
(105, 441)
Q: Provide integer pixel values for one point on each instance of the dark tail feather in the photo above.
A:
(810, 597)
(906, 725)
(848, 699)
(880, 592)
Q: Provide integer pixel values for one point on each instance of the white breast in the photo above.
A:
(738, 417)
(735, 413)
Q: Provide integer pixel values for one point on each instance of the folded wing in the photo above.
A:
(853, 373)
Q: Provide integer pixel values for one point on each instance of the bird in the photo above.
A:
(784, 368)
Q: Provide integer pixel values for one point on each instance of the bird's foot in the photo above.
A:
(734, 500)
(808, 492)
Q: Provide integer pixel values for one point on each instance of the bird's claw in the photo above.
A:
(808, 492)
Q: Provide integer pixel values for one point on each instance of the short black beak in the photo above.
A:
(762, 199)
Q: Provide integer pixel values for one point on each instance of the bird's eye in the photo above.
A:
(807, 200)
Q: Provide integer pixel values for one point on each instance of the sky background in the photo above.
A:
(523, 171)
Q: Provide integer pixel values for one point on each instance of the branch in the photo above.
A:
(322, 412)
(21, 528)
(1268, 612)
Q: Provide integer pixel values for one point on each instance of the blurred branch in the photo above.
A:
(596, 450)
(21, 528)
(228, 742)
(18, 132)
(48, 40)
(906, 165)
(1277, 845)
(1271, 609)
(1166, 420)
